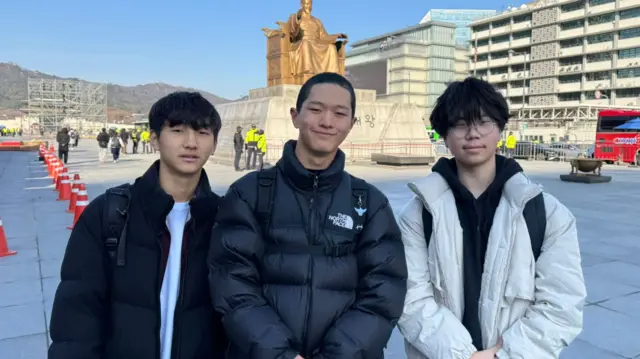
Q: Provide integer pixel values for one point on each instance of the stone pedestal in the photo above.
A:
(585, 178)
(381, 127)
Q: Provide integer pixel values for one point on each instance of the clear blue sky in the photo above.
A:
(212, 45)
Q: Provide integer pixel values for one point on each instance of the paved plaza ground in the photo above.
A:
(35, 224)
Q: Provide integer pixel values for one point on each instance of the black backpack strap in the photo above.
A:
(266, 185)
(115, 222)
(360, 200)
(535, 215)
(427, 224)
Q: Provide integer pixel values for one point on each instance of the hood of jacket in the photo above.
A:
(510, 182)
(303, 179)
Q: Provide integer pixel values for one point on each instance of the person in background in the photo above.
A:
(72, 135)
(510, 145)
(145, 138)
(115, 144)
(261, 146)
(251, 147)
(135, 139)
(134, 275)
(124, 136)
(238, 143)
(63, 140)
(103, 144)
(306, 260)
(494, 262)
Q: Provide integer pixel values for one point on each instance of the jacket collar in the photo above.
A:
(518, 190)
(157, 203)
(303, 179)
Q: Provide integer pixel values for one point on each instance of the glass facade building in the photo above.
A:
(460, 18)
(411, 65)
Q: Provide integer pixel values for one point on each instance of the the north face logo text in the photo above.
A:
(342, 220)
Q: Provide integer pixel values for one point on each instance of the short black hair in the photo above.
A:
(466, 100)
(184, 108)
(326, 78)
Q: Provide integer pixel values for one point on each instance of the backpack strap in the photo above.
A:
(360, 201)
(115, 222)
(266, 192)
(535, 216)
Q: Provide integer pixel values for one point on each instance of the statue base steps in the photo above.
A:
(381, 127)
(401, 160)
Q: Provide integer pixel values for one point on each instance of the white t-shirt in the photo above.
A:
(176, 220)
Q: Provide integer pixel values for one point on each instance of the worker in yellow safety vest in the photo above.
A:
(262, 148)
(511, 145)
(251, 145)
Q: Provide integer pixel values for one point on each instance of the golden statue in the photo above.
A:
(301, 48)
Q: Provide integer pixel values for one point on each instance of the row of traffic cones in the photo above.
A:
(72, 190)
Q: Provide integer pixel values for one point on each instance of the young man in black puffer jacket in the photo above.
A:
(307, 260)
(134, 276)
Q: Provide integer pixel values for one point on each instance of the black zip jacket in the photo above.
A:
(63, 140)
(238, 142)
(476, 217)
(278, 302)
(105, 312)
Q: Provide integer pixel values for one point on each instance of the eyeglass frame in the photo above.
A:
(474, 124)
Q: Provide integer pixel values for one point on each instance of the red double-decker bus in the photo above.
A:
(616, 145)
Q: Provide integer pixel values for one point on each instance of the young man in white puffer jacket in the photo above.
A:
(480, 284)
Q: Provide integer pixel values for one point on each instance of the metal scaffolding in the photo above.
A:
(559, 116)
(58, 103)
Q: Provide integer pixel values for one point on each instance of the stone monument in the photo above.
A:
(585, 170)
(296, 51)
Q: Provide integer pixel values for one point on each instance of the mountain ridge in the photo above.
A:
(122, 101)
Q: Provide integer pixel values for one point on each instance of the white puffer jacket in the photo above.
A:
(535, 307)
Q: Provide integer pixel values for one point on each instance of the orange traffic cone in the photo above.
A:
(82, 201)
(74, 193)
(50, 166)
(59, 172)
(54, 170)
(65, 187)
(4, 248)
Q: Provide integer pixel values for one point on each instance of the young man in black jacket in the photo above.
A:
(306, 260)
(63, 140)
(134, 276)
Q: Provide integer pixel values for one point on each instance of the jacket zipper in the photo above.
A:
(176, 346)
(311, 239)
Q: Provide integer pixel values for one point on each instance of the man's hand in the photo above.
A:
(488, 353)
(299, 357)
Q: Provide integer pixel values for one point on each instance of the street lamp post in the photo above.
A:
(524, 72)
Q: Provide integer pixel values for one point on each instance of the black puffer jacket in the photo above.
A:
(279, 300)
(105, 312)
